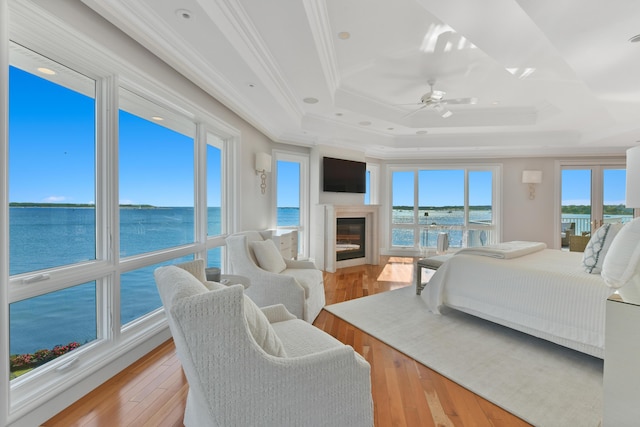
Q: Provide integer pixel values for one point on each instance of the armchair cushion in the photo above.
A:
(307, 278)
(268, 256)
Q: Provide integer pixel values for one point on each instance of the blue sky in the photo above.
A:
(52, 154)
(52, 160)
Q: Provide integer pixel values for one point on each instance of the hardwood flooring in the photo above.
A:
(152, 391)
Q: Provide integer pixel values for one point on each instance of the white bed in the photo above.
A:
(546, 293)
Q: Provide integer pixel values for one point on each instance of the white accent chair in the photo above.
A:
(235, 381)
(298, 285)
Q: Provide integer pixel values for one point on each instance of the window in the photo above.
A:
(156, 207)
(52, 214)
(52, 168)
(457, 201)
(51, 325)
(93, 212)
(292, 195)
(288, 193)
(591, 195)
(403, 215)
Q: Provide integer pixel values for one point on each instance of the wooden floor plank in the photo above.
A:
(152, 392)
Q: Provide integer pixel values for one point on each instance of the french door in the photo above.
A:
(592, 195)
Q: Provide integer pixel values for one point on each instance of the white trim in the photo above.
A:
(374, 183)
(4, 211)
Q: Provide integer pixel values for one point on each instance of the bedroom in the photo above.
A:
(507, 150)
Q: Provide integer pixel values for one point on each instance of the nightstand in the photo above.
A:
(621, 367)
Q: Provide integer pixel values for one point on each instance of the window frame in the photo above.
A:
(416, 249)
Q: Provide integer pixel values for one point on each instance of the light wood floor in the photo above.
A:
(152, 391)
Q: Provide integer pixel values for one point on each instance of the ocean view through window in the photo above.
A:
(87, 232)
(460, 202)
(52, 146)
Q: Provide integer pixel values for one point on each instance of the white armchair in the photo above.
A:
(252, 367)
(297, 284)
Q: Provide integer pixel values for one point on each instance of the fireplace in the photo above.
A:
(350, 238)
(325, 252)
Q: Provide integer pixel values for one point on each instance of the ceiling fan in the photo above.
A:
(435, 99)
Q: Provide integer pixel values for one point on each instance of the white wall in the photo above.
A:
(525, 219)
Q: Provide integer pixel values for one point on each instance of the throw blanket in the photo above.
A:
(505, 250)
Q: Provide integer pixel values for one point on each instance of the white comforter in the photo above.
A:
(546, 294)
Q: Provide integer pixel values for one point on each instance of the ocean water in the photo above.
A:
(434, 221)
(46, 237)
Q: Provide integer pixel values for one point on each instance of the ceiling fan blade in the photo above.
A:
(460, 101)
(413, 112)
(442, 111)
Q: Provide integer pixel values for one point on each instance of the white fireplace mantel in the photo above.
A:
(328, 240)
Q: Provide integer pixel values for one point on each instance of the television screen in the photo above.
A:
(344, 176)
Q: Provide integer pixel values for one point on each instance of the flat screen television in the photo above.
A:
(344, 176)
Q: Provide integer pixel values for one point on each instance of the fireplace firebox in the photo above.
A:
(350, 235)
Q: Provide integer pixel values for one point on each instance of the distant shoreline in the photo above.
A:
(71, 205)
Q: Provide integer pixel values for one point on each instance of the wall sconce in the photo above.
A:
(633, 178)
(263, 165)
(532, 178)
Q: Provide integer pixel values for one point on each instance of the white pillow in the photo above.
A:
(598, 246)
(268, 256)
(623, 259)
(259, 325)
(261, 329)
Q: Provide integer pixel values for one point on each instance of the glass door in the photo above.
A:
(590, 197)
(576, 204)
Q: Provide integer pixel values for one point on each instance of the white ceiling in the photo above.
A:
(551, 77)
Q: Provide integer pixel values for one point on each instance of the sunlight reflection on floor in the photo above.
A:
(401, 269)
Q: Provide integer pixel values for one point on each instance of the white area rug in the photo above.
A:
(540, 382)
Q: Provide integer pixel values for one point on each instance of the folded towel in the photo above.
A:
(505, 250)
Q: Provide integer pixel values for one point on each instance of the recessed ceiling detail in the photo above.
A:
(560, 86)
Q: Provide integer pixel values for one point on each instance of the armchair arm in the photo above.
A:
(293, 263)
(277, 313)
(271, 288)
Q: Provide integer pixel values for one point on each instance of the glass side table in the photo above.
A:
(213, 275)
